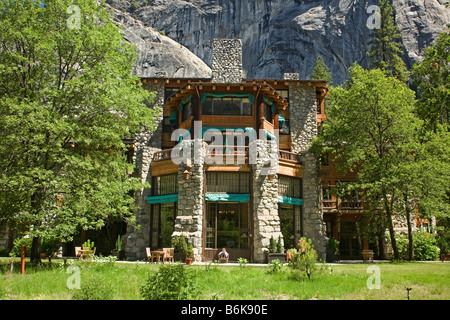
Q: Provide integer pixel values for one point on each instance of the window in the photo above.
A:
(162, 218)
(164, 185)
(227, 182)
(186, 113)
(168, 92)
(284, 93)
(289, 186)
(227, 106)
(268, 112)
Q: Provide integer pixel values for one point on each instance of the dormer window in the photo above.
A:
(224, 105)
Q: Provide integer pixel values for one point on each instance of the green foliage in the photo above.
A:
(332, 249)
(189, 251)
(280, 248)
(424, 244)
(88, 244)
(272, 245)
(242, 262)
(68, 97)
(386, 49)
(432, 75)
(17, 246)
(321, 71)
(171, 282)
(179, 244)
(304, 262)
(119, 243)
(275, 266)
(134, 6)
(50, 246)
(94, 288)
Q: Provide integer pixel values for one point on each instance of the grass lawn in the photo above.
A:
(429, 281)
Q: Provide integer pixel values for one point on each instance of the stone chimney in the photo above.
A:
(227, 61)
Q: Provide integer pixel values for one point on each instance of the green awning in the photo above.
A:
(281, 120)
(173, 118)
(235, 197)
(290, 200)
(270, 135)
(163, 199)
(270, 103)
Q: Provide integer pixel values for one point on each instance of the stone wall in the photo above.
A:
(147, 142)
(189, 220)
(303, 115)
(227, 61)
(266, 221)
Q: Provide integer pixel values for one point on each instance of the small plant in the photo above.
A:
(242, 262)
(119, 243)
(272, 245)
(88, 245)
(170, 282)
(17, 247)
(275, 266)
(189, 251)
(94, 289)
(280, 248)
(304, 262)
(179, 244)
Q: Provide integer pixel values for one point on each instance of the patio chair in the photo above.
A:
(168, 254)
(150, 255)
(77, 252)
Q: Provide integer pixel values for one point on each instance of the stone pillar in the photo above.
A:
(303, 125)
(227, 61)
(266, 221)
(146, 142)
(313, 225)
(303, 115)
(189, 220)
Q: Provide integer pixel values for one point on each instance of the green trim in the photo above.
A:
(281, 120)
(173, 118)
(245, 197)
(270, 135)
(163, 199)
(222, 95)
(290, 200)
(272, 106)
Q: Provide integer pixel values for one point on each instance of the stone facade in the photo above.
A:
(266, 221)
(189, 220)
(227, 61)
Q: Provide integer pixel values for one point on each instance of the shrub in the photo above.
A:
(94, 289)
(275, 266)
(170, 282)
(17, 247)
(272, 245)
(304, 262)
(280, 248)
(425, 247)
(134, 6)
(179, 244)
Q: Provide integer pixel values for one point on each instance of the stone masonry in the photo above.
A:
(227, 61)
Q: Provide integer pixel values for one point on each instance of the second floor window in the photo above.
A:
(227, 106)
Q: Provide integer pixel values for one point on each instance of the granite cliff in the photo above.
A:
(287, 35)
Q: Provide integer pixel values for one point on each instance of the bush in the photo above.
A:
(304, 262)
(275, 266)
(170, 282)
(425, 246)
(17, 247)
(94, 289)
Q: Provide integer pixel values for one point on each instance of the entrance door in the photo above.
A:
(349, 241)
(227, 226)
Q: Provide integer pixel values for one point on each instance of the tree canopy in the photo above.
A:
(68, 98)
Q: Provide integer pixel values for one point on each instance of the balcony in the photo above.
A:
(329, 205)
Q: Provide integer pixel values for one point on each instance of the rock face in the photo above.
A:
(282, 36)
(159, 56)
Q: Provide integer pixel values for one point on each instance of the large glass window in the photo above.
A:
(289, 186)
(227, 225)
(291, 224)
(164, 185)
(227, 106)
(161, 225)
(227, 182)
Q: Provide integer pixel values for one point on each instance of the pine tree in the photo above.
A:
(385, 49)
(321, 71)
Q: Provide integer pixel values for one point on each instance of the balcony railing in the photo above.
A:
(338, 204)
(162, 155)
(289, 156)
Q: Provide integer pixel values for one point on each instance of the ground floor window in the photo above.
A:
(227, 225)
(162, 218)
(349, 240)
(291, 224)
